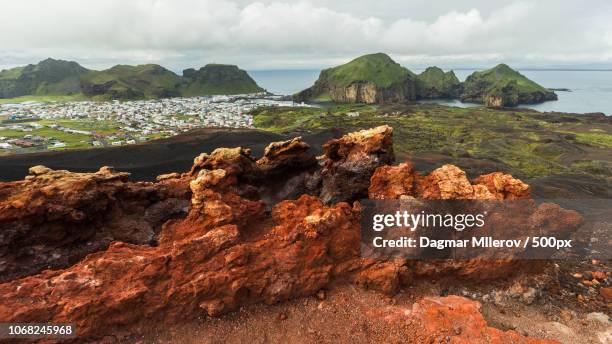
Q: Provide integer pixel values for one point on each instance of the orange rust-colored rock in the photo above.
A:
(213, 268)
(238, 244)
(446, 182)
(54, 218)
(392, 182)
(451, 319)
(280, 156)
(504, 186)
(606, 293)
(236, 161)
(449, 182)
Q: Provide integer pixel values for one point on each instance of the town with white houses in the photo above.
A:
(39, 126)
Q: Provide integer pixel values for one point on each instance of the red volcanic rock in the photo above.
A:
(237, 245)
(446, 182)
(350, 161)
(606, 293)
(449, 182)
(392, 182)
(236, 161)
(504, 186)
(451, 319)
(280, 156)
(54, 218)
(214, 268)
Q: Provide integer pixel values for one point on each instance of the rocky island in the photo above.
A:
(503, 86)
(434, 83)
(370, 79)
(377, 79)
(150, 81)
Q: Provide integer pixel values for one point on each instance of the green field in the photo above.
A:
(529, 142)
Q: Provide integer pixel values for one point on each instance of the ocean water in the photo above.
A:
(591, 91)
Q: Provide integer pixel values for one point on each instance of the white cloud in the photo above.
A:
(264, 34)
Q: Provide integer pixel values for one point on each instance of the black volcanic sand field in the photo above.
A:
(148, 160)
(176, 154)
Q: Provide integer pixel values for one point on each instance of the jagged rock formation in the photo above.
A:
(434, 83)
(54, 218)
(370, 79)
(229, 250)
(48, 77)
(350, 161)
(503, 86)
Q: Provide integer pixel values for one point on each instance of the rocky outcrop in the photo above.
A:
(350, 161)
(54, 218)
(238, 244)
(279, 157)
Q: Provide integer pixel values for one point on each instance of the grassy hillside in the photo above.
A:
(504, 85)
(378, 68)
(434, 83)
(373, 78)
(214, 79)
(56, 79)
(526, 143)
(131, 82)
(48, 77)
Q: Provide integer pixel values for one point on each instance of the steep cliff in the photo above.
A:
(503, 86)
(371, 79)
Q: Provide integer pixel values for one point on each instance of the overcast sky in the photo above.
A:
(307, 34)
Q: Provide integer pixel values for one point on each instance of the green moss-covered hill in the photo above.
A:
(373, 78)
(503, 86)
(149, 81)
(214, 79)
(435, 83)
(131, 82)
(48, 77)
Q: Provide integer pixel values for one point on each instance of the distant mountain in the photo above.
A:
(131, 82)
(150, 81)
(503, 86)
(373, 78)
(48, 77)
(434, 83)
(215, 79)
